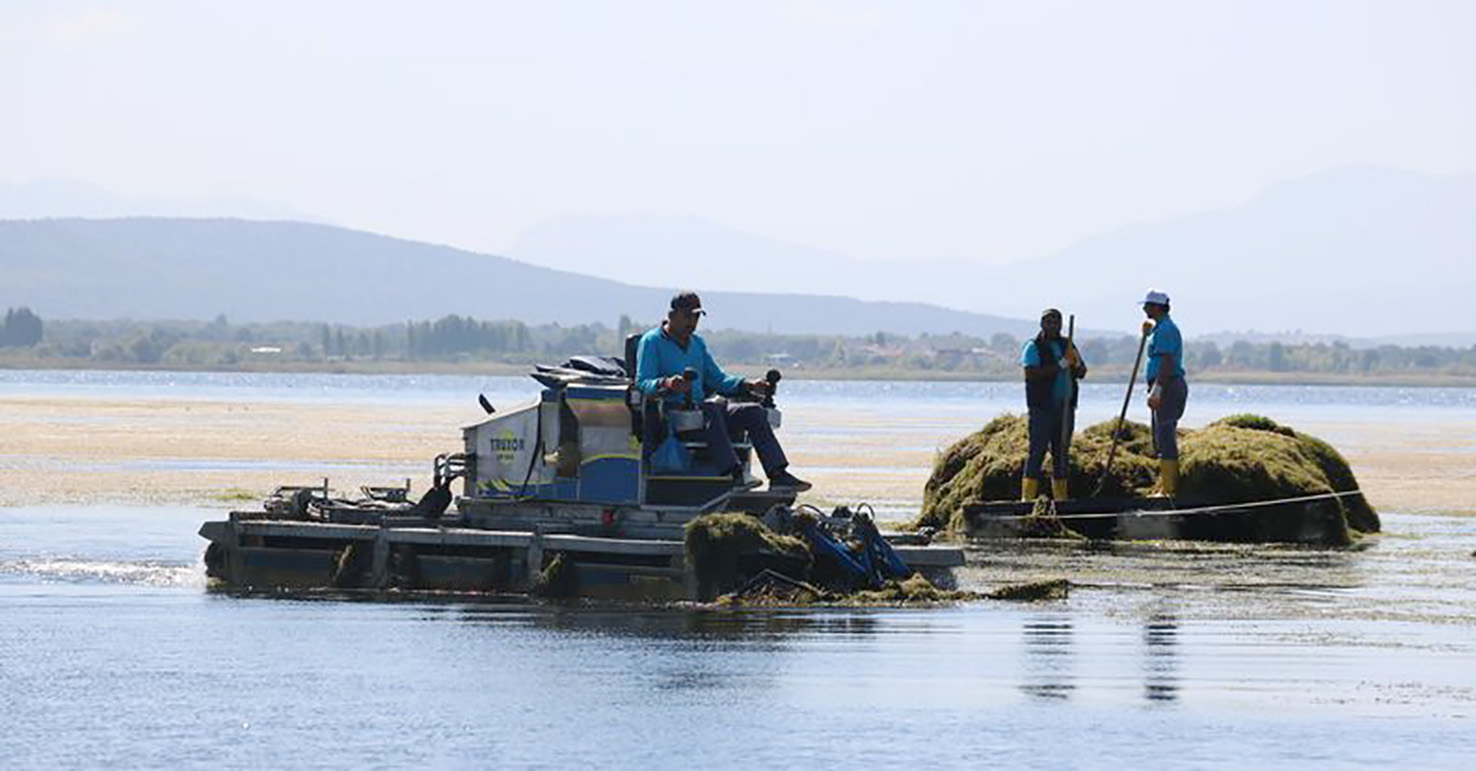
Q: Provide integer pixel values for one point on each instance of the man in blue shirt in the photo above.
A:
(667, 351)
(1168, 392)
(1052, 367)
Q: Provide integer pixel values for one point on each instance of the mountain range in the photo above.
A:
(1358, 252)
(155, 268)
(1354, 251)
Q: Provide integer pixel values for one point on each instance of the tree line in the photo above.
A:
(453, 338)
(22, 328)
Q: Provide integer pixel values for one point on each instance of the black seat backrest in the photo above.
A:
(632, 342)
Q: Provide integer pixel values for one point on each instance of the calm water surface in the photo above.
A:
(113, 652)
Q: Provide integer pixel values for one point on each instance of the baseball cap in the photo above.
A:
(1050, 312)
(687, 301)
(1155, 297)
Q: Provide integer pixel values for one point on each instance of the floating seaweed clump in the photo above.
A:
(1238, 459)
(770, 589)
(1049, 589)
(913, 589)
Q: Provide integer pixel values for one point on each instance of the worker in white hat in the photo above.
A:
(1167, 390)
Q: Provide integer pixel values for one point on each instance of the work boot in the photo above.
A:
(787, 482)
(1058, 490)
(1029, 488)
(1168, 477)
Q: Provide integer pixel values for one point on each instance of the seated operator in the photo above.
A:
(665, 352)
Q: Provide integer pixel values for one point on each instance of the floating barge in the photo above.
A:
(563, 481)
(1312, 519)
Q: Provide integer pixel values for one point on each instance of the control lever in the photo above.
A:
(773, 378)
(689, 374)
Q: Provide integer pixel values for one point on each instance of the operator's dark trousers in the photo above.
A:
(1166, 417)
(1045, 433)
(723, 419)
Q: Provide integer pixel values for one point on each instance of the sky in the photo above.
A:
(990, 132)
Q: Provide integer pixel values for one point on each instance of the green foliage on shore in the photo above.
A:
(463, 341)
(21, 328)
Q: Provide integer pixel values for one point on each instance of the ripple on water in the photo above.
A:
(82, 571)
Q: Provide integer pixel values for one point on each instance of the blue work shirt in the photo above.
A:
(1030, 357)
(1165, 340)
(658, 357)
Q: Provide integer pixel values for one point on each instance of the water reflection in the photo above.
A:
(1048, 658)
(1160, 658)
(1049, 665)
(695, 627)
(666, 652)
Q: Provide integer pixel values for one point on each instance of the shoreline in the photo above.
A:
(155, 450)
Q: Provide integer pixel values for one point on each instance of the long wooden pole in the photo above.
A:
(1121, 416)
(1070, 389)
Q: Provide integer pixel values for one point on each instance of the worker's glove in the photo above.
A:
(1155, 397)
(1071, 359)
(1147, 327)
(676, 384)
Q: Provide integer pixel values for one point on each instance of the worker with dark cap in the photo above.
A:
(1052, 365)
(1168, 392)
(667, 351)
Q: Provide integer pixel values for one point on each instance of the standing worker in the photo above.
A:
(1052, 364)
(1167, 390)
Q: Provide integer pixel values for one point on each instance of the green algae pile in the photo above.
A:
(726, 548)
(1238, 459)
(738, 561)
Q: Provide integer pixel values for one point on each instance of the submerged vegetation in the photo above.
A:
(1238, 459)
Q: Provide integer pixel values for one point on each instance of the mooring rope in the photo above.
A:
(1181, 512)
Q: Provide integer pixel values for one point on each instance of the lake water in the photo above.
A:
(112, 652)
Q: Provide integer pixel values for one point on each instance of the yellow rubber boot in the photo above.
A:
(1029, 488)
(1058, 489)
(1168, 477)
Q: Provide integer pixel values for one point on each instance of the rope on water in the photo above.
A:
(1182, 512)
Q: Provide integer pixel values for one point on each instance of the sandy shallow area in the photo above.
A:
(216, 453)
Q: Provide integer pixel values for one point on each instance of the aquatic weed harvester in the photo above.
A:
(564, 484)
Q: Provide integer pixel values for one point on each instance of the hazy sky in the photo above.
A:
(992, 131)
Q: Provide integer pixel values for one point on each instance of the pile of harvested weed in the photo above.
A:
(1238, 459)
(725, 549)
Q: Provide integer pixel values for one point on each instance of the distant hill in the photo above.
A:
(1354, 251)
(701, 252)
(151, 268)
(1362, 252)
(690, 250)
